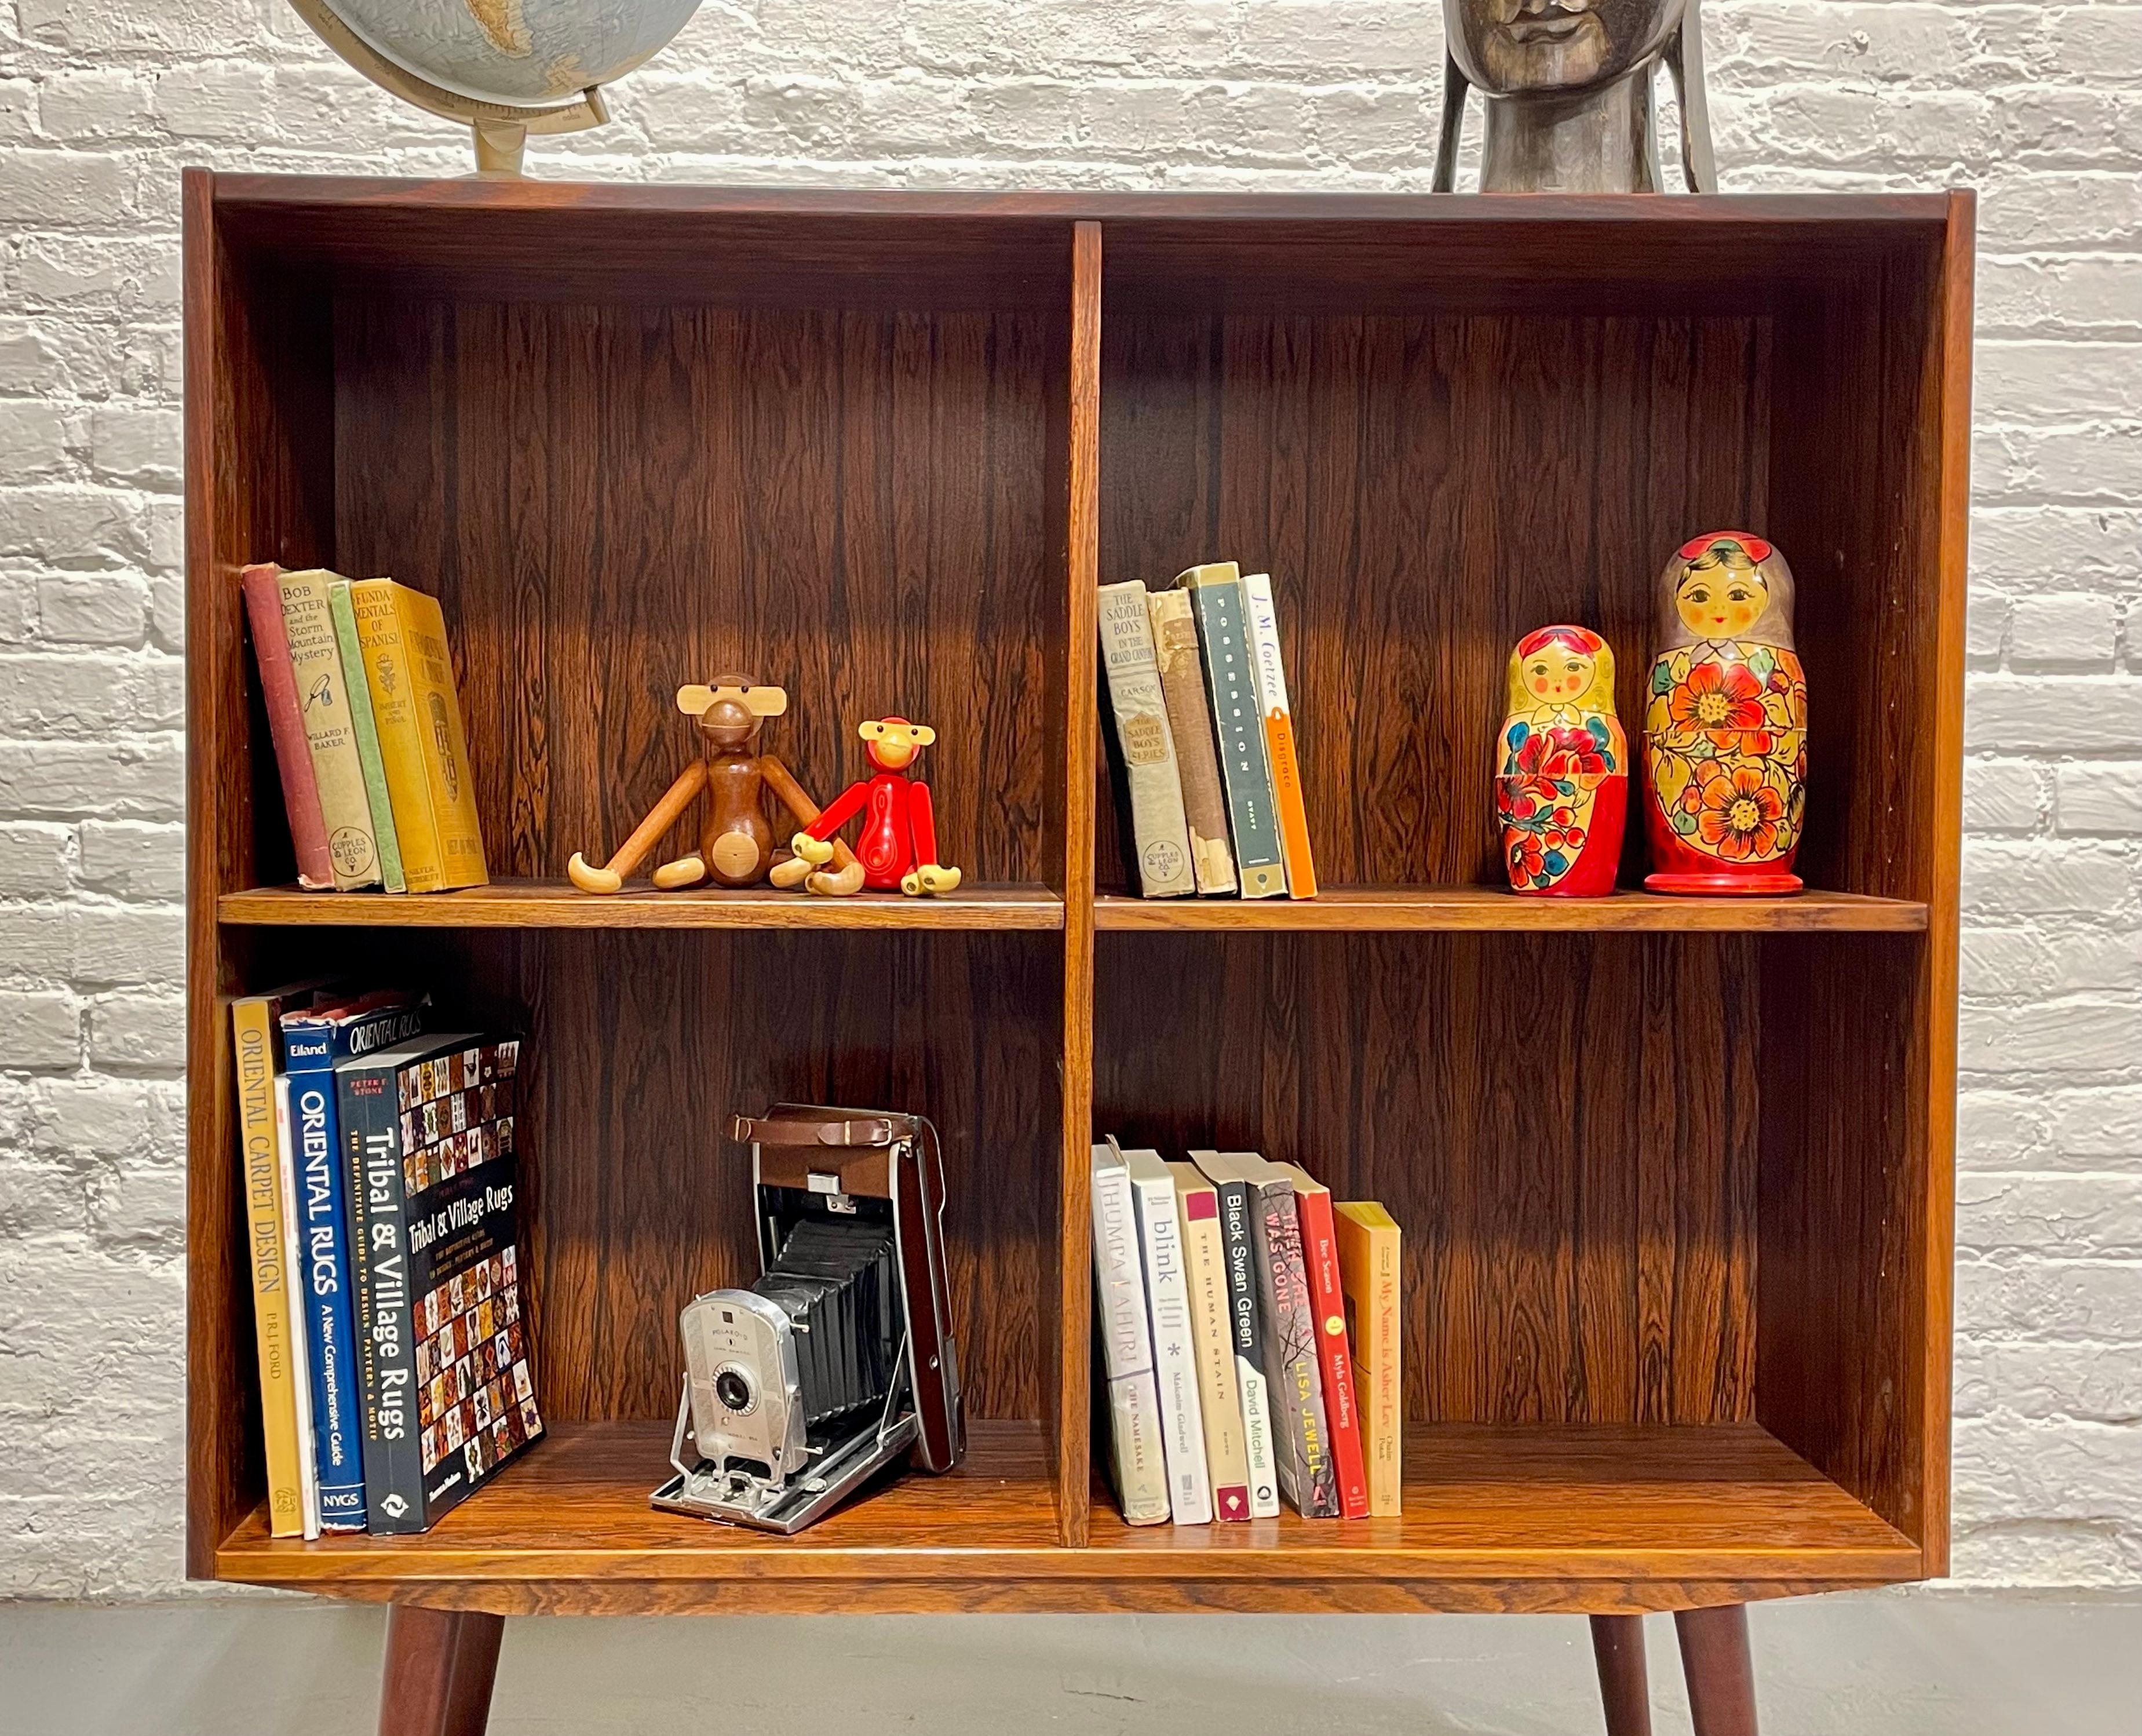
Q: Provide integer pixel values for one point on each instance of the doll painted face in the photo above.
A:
(1720, 594)
(1557, 674)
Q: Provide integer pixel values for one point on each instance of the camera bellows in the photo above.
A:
(834, 1279)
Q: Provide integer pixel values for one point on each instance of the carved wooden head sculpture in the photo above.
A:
(731, 712)
(1567, 87)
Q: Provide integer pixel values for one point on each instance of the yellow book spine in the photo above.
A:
(252, 1034)
(1369, 1274)
(395, 712)
(444, 742)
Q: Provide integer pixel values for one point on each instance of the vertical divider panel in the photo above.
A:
(1080, 422)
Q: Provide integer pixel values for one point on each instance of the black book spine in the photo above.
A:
(370, 1108)
(1240, 1230)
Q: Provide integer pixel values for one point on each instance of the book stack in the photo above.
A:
(359, 682)
(381, 1184)
(1248, 1332)
(1203, 737)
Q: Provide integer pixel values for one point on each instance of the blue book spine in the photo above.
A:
(312, 1045)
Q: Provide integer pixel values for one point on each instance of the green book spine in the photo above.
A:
(1223, 634)
(359, 691)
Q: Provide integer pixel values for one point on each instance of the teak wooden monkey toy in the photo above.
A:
(1562, 784)
(1725, 723)
(736, 848)
(898, 846)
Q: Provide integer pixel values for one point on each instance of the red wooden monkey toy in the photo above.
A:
(898, 847)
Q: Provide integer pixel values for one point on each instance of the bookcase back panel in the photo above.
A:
(1424, 491)
(613, 500)
(641, 1045)
(1567, 1127)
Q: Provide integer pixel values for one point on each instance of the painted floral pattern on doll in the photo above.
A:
(1725, 731)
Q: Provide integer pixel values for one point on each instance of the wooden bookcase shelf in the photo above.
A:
(1676, 1175)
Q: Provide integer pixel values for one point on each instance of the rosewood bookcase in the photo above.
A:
(1676, 1175)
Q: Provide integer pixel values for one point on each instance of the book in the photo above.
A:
(427, 1129)
(1269, 669)
(1300, 1435)
(1327, 1307)
(301, 1383)
(366, 729)
(1125, 1358)
(1174, 1359)
(286, 725)
(314, 1039)
(1368, 1244)
(323, 702)
(1190, 728)
(1219, 1401)
(1223, 638)
(422, 749)
(275, 1312)
(1153, 786)
(1238, 1239)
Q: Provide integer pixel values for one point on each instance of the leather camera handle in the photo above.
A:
(860, 1131)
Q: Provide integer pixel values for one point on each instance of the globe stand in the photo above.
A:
(498, 130)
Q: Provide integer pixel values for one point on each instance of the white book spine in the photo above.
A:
(1119, 1306)
(1128, 657)
(301, 1361)
(1174, 1358)
(1257, 1437)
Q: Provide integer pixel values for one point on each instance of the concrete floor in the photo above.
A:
(1910, 1664)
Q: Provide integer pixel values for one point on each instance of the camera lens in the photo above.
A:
(733, 1390)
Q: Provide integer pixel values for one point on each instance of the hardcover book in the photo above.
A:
(1369, 1243)
(421, 745)
(1270, 672)
(1216, 594)
(428, 1137)
(1137, 1456)
(286, 725)
(1292, 1369)
(276, 1314)
(1190, 727)
(301, 1379)
(1239, 1241)
(1174, 1359)
(366, 729)
(1220, 1402)
(314, 1040)
(1327, 1302)
(323, 701)
(1144, 743)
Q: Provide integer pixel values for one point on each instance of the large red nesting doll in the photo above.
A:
(1562, 784)
(1725, 723)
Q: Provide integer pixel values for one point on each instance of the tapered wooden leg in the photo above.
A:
(1617, 1642)
(1721, 1679)
(440, 1663)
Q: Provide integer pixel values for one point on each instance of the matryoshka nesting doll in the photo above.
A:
(1562, 782)
(1725, 723)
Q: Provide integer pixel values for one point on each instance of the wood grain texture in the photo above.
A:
(1565, 1129)
(1859, 1057)
(508, 902)
(1490, 908)
(1535, 1517)
(1415, 488)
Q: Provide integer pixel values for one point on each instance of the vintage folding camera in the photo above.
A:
(840, 1359)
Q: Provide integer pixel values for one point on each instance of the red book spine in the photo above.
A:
(286, 724)
(1320, 1247)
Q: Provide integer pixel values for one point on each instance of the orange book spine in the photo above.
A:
(1271, 673)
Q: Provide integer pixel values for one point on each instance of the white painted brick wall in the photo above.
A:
(2039, 107)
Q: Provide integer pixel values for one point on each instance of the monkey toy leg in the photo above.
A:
(800, 869)
(665, 814)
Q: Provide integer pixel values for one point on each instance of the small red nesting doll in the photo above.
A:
(1725, 723)
(1562, 784)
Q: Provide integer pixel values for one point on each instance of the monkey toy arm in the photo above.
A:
(926, 877)
(660, 818)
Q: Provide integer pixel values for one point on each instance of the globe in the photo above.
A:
(506, 67)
